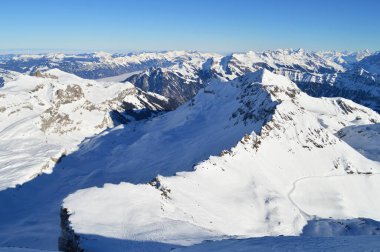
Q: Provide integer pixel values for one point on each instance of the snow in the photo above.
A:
(364, 138)
(244, 192)
(287, 58)
(118, 78)
(339, 196)
(246, 158)
(164, 145)
(6, 76)
(14, 249)
(319, 74)
(346, 59)
(37, 126)
(343, 244)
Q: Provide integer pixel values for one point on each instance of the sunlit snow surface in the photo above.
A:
(270, 183)
(42, 118)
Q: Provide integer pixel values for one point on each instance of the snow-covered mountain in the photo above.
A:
(286, 59)
(329, 74)
(243, 191)
(346, 59)
(179, 75)
(6, 76)
(317, 74)
(248, 153)
(179, 82)
(371, 63)
(46, 116)
(97, 65)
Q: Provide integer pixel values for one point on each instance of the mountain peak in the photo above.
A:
(268, 78)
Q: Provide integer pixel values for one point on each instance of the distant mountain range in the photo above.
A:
(179, 74)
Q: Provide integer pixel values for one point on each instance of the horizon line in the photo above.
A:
(42, 51)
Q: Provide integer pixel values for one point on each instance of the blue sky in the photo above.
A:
(204, 25)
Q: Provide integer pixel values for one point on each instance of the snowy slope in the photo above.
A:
(136, 153)
(371, 63)
(42, 118)
(272, 244)
(252, 187)
(364, 138)
(6, 76)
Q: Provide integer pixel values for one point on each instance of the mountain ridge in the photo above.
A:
(203, 204)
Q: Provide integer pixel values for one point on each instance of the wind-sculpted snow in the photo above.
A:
(46, 116)
(250, 188)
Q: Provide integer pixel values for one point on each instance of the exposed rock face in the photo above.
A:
(170, 84)
(44, 75)
(70, 94)
(56, 122)
(68, 240)
(356, 85)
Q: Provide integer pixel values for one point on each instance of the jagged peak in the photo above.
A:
(268, 78)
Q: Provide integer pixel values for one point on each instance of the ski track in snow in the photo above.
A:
(294, 185)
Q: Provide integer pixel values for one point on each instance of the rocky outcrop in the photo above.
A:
(68, 241)
(70, 94)
(170, 84)
(40, 74)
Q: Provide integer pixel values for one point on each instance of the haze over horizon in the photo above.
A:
(215, 26)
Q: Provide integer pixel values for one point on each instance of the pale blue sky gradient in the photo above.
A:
(204, 25)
